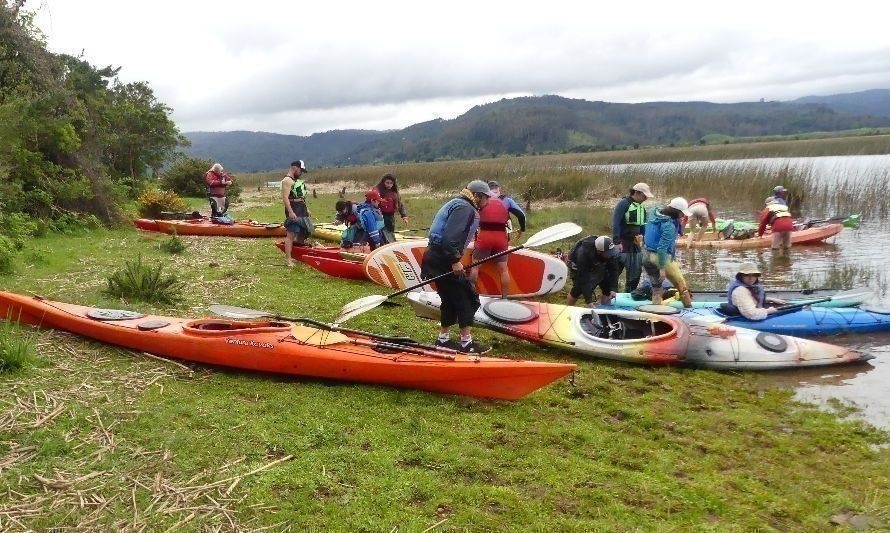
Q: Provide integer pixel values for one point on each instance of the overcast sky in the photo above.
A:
(300, 68)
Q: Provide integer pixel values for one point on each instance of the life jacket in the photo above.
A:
(494, 216)
(437, 228)
(756, 291)
(777, 211)
(298, 189)
(635, 214)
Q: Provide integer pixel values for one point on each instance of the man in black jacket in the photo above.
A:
(594, 262)
(453, 227)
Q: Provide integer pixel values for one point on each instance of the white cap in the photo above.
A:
(643, 188)
(680, 204)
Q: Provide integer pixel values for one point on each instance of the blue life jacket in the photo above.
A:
(756, 290)
(438, 227)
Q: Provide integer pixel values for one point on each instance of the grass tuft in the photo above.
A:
(16, 347)
(143, 282)
(174, 245)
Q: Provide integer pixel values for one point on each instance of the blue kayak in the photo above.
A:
(805, 322)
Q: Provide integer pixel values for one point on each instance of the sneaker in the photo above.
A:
(450, 344)
(475, 348)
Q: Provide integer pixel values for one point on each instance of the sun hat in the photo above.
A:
(681, 205)
(480, 187)
(643, 188)
(748, 268)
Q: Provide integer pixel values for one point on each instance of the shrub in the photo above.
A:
(7, 254)
(154, 201)
(19, 227)
(70, 222)
(186, 177)
(173, 245)
(142, 282)
(16, 347)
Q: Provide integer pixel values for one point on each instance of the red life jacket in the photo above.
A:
(493, 226)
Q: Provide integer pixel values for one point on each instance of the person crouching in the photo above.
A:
(594, 261)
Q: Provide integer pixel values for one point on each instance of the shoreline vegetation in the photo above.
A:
(95, 436)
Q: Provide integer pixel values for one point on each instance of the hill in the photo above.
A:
(530, 125)
(875, 102)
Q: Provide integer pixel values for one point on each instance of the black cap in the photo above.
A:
(299, 163)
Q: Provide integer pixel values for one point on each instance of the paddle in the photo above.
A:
(810, 223)
(857, 294)
(545, 236)
(241, 313)
(410, 230)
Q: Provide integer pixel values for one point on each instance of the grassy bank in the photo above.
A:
(97, 437)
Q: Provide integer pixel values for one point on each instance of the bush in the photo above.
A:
(154, 201)
(7, 253)
(19, 227)
(16, 347)
(186, 177)
(173, 245)
(142, 282)
(70, 222)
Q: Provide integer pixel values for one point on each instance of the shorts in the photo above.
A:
(302, 225)
(699, 211)
(480, 254)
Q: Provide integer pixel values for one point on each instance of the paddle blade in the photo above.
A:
(553, 234)
(238, 313)
(357, 307)
(852, 297)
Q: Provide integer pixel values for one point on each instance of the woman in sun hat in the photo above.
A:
(746, 296)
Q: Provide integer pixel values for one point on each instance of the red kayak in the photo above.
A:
(147, 224)
(338, 268)
(297, 252)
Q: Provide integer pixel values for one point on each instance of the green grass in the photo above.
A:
(16, 346)
(623, 447)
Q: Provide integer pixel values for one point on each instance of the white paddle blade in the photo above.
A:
(853, 297)
(238, 313)
(357, 307)
(553, 234)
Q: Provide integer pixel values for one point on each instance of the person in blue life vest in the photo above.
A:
(452, 229)
(512, 207)
(747, 297)
(659, 241)
(297, 218)
(628, 225)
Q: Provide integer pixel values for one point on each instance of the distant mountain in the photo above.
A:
(875, 102)
(532, 125)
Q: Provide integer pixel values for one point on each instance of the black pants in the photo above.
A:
(459, 297)
(218, 205)
(389, 222)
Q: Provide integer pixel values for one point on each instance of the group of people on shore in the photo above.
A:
(641, 240)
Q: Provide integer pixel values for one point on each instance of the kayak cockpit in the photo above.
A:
(623, 328)
(211, 327)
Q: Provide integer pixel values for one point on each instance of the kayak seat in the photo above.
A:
(210, 327)
(591, 325)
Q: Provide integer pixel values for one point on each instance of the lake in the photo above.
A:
(856, 256)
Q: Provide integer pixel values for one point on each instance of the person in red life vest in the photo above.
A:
(512, 207)
(217, 182)
(390, 203)
(778, 218)
(491, 239)
(701, 213)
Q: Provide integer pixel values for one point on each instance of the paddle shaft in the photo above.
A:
(440, 276)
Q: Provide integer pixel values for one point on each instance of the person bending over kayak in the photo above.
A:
(491, 239)
(297, 221)
(660, 239)
(512, 207)
(217, 181)
(391, 201)
(746, 296)
(594, 262)
(628, 221)
(702, 212)
(452, 229)
(780, 194)
(777, 216)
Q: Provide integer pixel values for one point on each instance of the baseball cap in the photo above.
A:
(779, 188)
(680, 204)
(749, 268)
(643, 188)
(479, 186)
(299, 163)
(604, 244)
(493, 185)
(373, 194)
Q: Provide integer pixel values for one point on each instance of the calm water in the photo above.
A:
(863, 251)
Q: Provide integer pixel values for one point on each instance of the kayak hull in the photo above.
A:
(397, 266)
(338, 268)
(713, 299)
(146, 224)
(290, 349)
(297, 252)
(208, 228)
(648, 338)
(814, 235)
(806, 322)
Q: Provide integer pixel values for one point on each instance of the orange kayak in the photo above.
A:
(286, 348)
(813, 235)
(206, 227)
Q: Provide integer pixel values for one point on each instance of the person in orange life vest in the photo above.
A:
(778, 218)
(391, 201)
(701, 212)
(217, 182)
(491, 239)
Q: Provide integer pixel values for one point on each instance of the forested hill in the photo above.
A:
(874, 102)
(531, 125)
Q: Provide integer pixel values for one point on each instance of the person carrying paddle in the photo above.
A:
(452, 229)
(297, 221)
(777, 216)
(217, 181)
(746, 296)
(660, 240)
(391, 201)
(594, 261)
(628, 223)
(701, 212)
(512, 207)
(493, 238)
